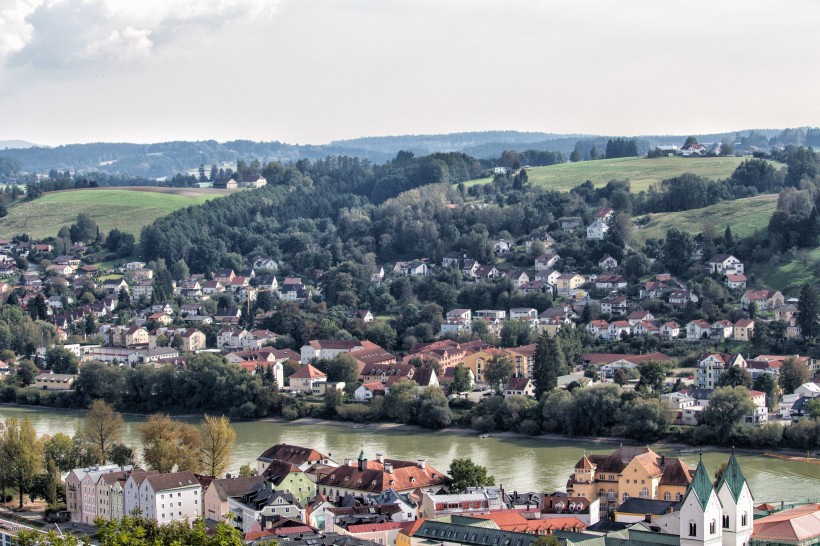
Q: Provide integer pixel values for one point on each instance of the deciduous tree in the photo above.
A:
(465, 473)
(21, 455)
(216, 443)
(169, 444)
(101, 429)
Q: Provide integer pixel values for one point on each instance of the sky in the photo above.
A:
(313, 71)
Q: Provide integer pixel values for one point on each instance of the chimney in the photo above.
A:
(347, 461)
(648, 518)
(388, 467)
(228, 476)
(380, 457)
(422, 462)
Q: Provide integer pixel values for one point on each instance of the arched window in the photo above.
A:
(677, 496)
(611, 494)
(693, 529)
(644, 493)
(602, 493)
(712, 527)
(625, 496)
(667, 496)
(743, 519)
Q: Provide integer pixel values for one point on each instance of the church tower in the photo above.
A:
(700, 513)
(737, 504)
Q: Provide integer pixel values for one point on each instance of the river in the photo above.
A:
(519, 463)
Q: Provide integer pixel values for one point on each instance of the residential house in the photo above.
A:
(520, 386)
(452, 258)
(368, 391)
(176, 496)
(724, 264)
(468, 268)
(253, 181)
(263, 504)
(615, 305)
(743, 330)
(763, 299)
(366, 477)
(413, 269)
(535, 287)
(486, 272)
(288, 477)
(502, 246)
(457, 320)
(53, 382)
(670, 330)
(638, 316)
(387, 373)
(306, 378)
(216, 495)
(618, 329)
(629, 472)
(598, 328)
(679, 298)
(611, 281)
(722, 329)
(327, 349)
(81, 493)
(736, 280)
(546, 262)
(785, 312)
(653, 290)
(517, 276)
(304, 458)
(523, 313)
(597, 230)
(568, 283)
(712, 365)
(698, 329)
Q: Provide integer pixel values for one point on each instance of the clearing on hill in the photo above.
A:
(743, 215)
(127, 209)
(640, 172)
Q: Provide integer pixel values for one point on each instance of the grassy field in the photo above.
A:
(791, 272)
(126, 209)
(743, 215)
(641, 172)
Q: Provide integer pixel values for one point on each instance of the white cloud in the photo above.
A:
(15, 31)
(65, 33)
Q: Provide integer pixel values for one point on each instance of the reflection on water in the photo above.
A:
(520, 464)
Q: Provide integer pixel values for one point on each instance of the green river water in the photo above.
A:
(520, 464)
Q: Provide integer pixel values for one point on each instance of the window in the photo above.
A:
(601, 493)
(712, 527)
(693, 529)
(667, 496)
(743, 519)
(725, 522)
(644, 493)
(625, 496)
(677, 496)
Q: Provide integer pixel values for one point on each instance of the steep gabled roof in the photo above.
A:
(701, 486)
(732, 478)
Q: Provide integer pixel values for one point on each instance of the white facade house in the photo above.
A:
(164, 498)
(597, 230)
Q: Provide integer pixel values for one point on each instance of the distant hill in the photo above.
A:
(16, 144)
(165, 159)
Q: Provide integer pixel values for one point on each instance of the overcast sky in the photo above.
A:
(311, 71)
